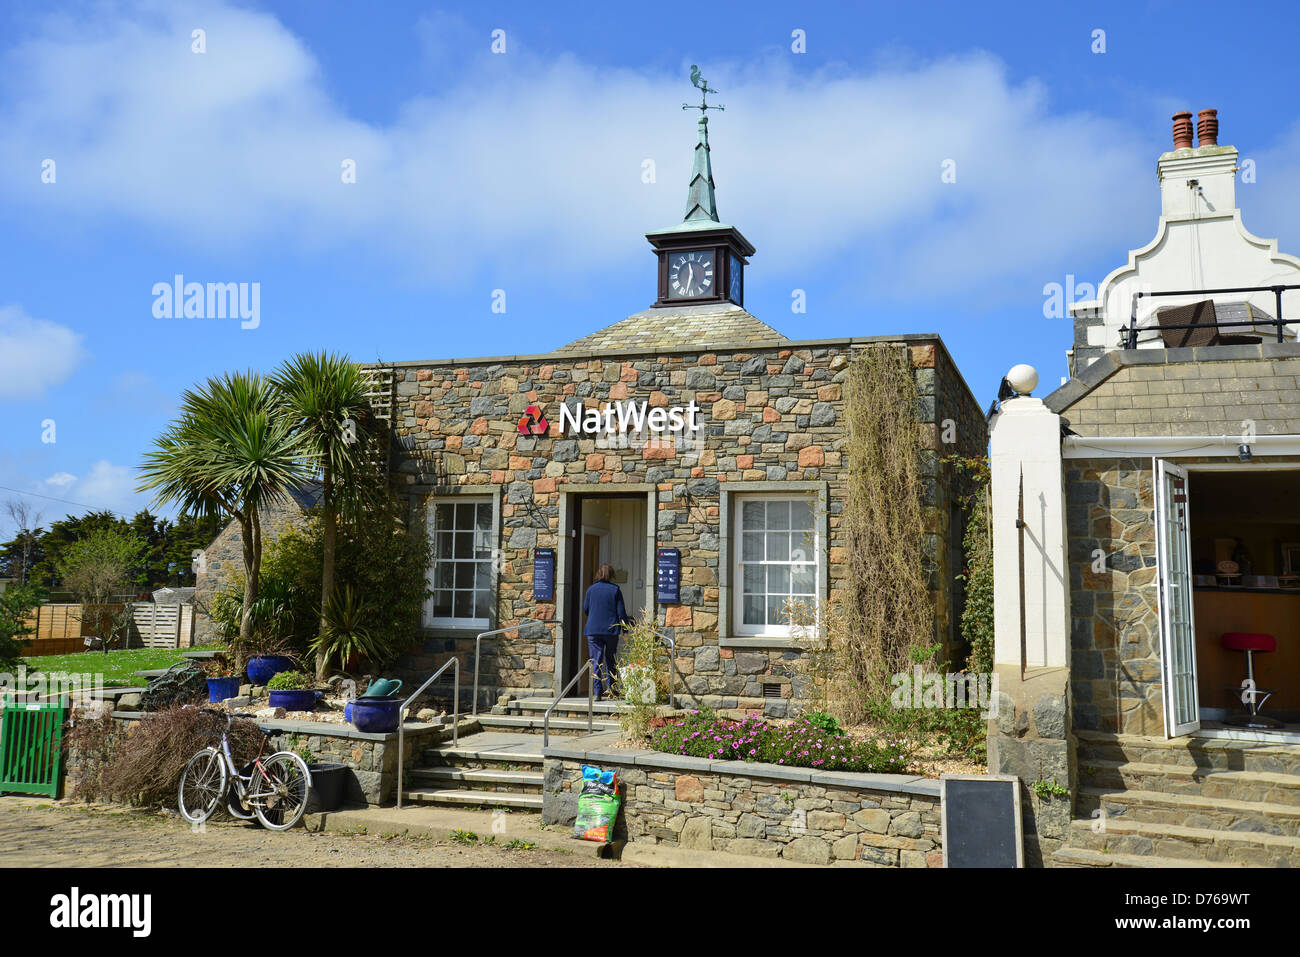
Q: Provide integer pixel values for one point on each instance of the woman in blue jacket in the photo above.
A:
(603, 606)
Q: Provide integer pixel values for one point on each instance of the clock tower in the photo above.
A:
(701, 260)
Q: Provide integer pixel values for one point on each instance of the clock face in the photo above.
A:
(690, 274)
(734, 293)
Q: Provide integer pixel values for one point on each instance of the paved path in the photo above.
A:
(39, 834)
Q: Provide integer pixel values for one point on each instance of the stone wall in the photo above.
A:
(810, 817)
(223, 561)
(770, 415)
(1114, 612)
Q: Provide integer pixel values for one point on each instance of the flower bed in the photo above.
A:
(800, 744)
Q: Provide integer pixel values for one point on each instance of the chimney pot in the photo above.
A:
(1207, 128)
(1183, 130)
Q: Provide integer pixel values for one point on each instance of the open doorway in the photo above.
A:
(1228, 554)
(607, 528)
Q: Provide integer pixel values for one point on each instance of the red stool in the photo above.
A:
(1251, 696)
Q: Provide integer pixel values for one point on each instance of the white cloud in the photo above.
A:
(536, 163)
(35, 354)
(105, 486)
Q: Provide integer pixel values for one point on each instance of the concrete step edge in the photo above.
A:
(477, 798)
(1190, 801)
(1094, 858)
(1195, 835)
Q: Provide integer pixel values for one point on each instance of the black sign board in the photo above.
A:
(981, 821)
(668, 576)
(543, 574)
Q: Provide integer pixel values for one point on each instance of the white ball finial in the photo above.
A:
(1023, 378)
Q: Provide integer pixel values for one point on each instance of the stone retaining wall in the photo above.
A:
(811, 817)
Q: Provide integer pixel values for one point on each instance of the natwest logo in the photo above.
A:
(635, 417)
(533, 422)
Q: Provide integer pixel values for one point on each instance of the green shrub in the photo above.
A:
(824, 722)
(291, 681)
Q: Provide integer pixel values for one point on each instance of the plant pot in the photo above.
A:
(262, 668)
(376, 715)
(293, 700)
(329, 785)
(219, 689)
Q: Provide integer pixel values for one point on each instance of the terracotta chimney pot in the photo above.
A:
(1207, 128)
(1183, 130)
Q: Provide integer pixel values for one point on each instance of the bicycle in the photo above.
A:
(274, 789)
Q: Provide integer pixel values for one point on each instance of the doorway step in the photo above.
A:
(1185, 802)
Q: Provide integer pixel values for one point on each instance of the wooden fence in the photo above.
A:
(59, 629)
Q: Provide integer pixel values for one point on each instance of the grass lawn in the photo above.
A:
(118, 667)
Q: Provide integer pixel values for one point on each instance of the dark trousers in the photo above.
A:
(604, 673)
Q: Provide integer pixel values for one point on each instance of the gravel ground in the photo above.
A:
(48, 835)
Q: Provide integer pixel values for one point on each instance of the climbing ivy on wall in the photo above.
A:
(886, 617)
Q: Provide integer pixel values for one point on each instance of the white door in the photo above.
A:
(1174, 580)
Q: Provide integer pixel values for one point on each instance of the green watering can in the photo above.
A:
(383, 688)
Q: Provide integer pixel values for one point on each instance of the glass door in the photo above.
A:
(1174, 581)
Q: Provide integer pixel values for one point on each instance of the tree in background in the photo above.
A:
(27, 521)
(103, 568)
(234, 450)
(16, 606)
(326, 395)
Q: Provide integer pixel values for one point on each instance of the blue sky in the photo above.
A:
(523, 171)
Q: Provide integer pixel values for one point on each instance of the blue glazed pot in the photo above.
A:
(262, 668)
(219, 689)
(294, 700)
(376, 715)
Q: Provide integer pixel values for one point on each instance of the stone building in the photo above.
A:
(691, 445)
(1158, 494)
(222, 562)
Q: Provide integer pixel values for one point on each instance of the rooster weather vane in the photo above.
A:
(701, 84)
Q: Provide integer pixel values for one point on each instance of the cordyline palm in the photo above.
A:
(232, 449)
(326, 396)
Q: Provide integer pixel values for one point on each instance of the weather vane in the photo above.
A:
(698, 81)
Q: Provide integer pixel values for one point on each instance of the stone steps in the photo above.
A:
(1085, 857)
(478, 779)
(1214, 813)
(1257, 786)
(489, 799)
(533, 723)
(488, 769)
(1208, 754)
(1188, 844)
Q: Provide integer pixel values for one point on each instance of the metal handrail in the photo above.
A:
(1129, 333)
(591, 690)
(672, 665)
(401, 720)
(478, 642)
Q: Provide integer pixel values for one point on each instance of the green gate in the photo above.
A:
(31, 747)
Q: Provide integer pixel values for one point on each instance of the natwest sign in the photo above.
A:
(630, 416)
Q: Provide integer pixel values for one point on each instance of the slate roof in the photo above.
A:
(707, 326)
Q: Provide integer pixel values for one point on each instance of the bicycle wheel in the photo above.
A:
(203, 786)
(279, 791)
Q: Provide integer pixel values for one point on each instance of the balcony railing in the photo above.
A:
(1129, 333)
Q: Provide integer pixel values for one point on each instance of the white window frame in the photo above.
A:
(430, 620)
(738, 627)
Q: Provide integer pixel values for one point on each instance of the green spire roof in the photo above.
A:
(701, 203)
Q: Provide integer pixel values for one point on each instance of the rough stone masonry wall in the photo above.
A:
(773, 414)
(223, 561)
(1114, 613)
(807, 822)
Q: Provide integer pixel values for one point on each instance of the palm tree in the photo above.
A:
(326, 396)
(232, 449)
